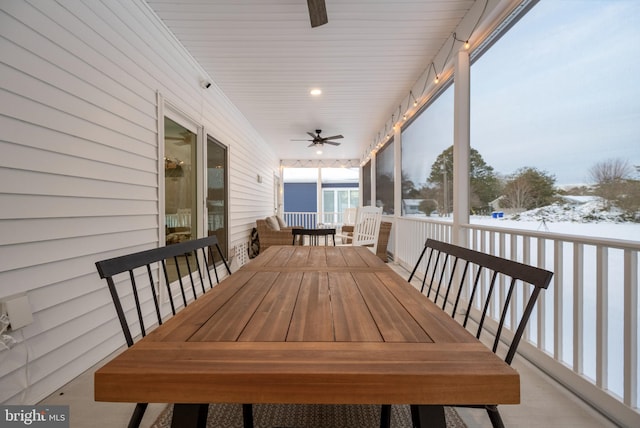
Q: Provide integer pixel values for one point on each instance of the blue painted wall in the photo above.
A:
(300, 197)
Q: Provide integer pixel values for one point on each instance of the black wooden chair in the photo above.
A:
(187, 265)
(454, 275)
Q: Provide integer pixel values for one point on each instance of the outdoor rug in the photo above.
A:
(307, 416)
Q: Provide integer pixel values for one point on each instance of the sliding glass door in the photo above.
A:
(179, 182)
(194, 177)
(217, 219)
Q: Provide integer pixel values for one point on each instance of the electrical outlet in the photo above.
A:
(18, 310)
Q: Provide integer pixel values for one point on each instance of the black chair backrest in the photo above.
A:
(180, 257)
(450, 267)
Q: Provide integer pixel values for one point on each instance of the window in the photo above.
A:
(568, 103)
(559, 110)
(366, 184)
(384, 178)
(427, 164)
(336, 200)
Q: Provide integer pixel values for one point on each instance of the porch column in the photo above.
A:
(374, 155)
(461, 146)
(320, 208)
(397, 171)
(280, 191)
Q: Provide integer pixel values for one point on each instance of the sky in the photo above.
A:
(559, 92)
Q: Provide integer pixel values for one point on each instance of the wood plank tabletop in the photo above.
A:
(310, 325)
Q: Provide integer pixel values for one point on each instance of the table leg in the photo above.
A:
(247, 415)
(428, 416)
(385, 416)
(189, 415)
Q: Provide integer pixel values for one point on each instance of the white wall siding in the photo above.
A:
(79, 163)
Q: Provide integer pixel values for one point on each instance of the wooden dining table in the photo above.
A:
(324, 325)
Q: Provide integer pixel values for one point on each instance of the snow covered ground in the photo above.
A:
(585, 217)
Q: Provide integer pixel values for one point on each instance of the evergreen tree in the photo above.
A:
(483, 181)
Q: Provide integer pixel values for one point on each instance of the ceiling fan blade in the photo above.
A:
(333, 143)
(301, 140)
(335, 137)
(312, 135)
(311, 145)
(317, 12)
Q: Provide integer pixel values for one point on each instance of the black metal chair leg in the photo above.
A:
(137, 415)
(494, 416)
(385, 416)
(247, 415)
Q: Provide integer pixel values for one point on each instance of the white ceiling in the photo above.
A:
(265, 57)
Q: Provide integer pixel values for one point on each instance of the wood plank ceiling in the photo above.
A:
(265, 57)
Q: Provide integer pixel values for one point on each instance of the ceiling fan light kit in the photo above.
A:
(319, 141)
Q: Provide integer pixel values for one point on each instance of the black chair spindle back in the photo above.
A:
(450, 270)
(167, 260)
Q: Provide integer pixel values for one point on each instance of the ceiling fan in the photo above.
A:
(317, 12)
(317, 140)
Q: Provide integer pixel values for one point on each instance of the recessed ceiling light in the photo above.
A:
(319, 152)
(316, 92)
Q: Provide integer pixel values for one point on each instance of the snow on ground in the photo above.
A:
(587, 212)
(585, 218)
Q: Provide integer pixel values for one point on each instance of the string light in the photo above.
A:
(415, 102)
(436, 79)
(466, 42)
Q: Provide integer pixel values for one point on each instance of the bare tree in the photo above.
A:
(610, 171)
(518, 193)
(611, 178)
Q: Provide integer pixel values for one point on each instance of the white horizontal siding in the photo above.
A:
(79, 170)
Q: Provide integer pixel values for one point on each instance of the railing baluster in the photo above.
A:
(558, 300)
(526, 259)
(578, 308)
(542, 304)
(630, 329)
(602, 316)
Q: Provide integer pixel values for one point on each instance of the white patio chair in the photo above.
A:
(349, 216)
(367, 227)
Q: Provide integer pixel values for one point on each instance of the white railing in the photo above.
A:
(312, 220)
(585, 330)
